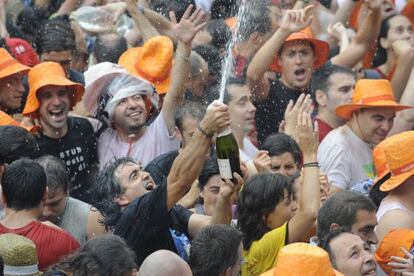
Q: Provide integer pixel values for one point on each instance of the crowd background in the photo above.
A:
(109, 113)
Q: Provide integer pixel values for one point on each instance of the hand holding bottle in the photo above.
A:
(216, 119)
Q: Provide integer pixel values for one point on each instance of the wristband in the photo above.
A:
(204, 132)
(311, 165)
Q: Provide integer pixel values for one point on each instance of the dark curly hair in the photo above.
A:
(104, 190)
(257, 199)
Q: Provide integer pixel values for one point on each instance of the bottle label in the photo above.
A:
(224, 168)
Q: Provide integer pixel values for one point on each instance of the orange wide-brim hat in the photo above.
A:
(152, 62)
(303, 259)
(7, 120)
(49, 73)
(399, 153)
(391, 246)
(380, 161)
(9, 65)
(321, 49)
(370, 94)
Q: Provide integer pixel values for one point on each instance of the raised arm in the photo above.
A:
(364, 38)
(147, 29)
(309, 203)
(3, 30)
(293, 21)
(405, 61)
(190, 24)
(189, 163)
(404, 120)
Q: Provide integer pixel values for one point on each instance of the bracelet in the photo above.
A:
(310, 165)
(204, 132)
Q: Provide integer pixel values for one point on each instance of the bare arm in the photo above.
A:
(405, 62)
(188, 27)
(364, 39)
(392, 220)
(190, 198)
(223, 211)
(309, 203)
(95, 228)
(405, 119)
(294, 20)
(147, 29)
(189, 163)
(162, 24)
(3, 30)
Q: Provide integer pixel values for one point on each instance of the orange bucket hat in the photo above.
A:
(370, 94)
(152, 62)
(7, 120)
(391, 246)
(303, 259)
(401, 165)
(9, 65)
(380, 161)
(321, 48)
(49, 73)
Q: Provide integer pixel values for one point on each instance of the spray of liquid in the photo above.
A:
(241, 21)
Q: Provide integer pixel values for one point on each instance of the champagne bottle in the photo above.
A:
(227, 154)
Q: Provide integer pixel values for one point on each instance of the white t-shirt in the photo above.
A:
(155, 141)
(248, 152)
(345, 158)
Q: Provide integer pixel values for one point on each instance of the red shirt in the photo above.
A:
(324, 129)
(52, 244)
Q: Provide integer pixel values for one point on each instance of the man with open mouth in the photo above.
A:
(51, 96)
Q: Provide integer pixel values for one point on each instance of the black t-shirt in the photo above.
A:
(160, 167)
(271, 112)
(77, 149)
(145, 223)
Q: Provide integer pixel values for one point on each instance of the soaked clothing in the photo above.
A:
(75, 219)
(52, 244)
(271, 112)
(145, 224)
(77, 149)
(155, 141)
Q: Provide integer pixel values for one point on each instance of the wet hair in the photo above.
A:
(195, 65)
(24, 184)
(220, 33)
(341, 208)
(109, 47)
(105, 189)
(258, 20)
(222, 9)
(188, 110)
(278, 144)
(210, 169)
(321, 78)
(257, 200)
(103, 255)
(30, 19)
(55, 35)
(212, 55)
(375, 194)
(380, 56)
(214, 249)
(231, 81)
(56, 171)
(177, 6)
(325, 242)
(16, 142)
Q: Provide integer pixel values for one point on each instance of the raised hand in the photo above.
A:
(217, 118)
(262, 161)
(189, 25)
(296, 20)
(403, 265)
(229, 188)
(303, 104)
(308, 136)
(373, 4)
(337, 30)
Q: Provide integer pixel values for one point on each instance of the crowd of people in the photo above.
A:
(109, 114)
